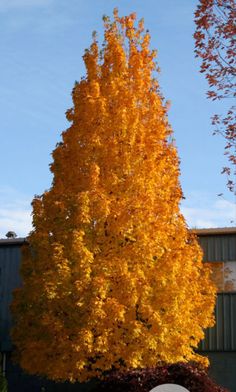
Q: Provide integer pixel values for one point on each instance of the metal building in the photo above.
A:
(18, 381)
(219, 247)
(10, 257)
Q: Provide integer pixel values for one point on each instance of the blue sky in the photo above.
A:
(42, 43)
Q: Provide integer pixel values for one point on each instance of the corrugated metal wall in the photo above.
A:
(218, 247)
(219, 340)
(222, 337)
(10, 257)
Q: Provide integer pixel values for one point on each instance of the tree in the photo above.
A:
(112, 277)
(215, 44)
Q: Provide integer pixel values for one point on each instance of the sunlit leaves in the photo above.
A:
(112, 277)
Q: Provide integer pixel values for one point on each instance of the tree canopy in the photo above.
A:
(112, 277)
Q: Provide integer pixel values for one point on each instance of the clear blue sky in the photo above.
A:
(42, 43)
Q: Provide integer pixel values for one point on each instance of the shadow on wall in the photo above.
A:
(19, 381)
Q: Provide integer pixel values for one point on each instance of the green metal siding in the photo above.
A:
(218, 247)
(223, 368)
(10, 257)
(222, 337)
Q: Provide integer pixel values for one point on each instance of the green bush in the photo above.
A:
(3, 383)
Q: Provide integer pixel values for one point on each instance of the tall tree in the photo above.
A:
(215, 44)
(112, 277)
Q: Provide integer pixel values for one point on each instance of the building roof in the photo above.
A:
(12, 241)
(215, 231)
(199, 232)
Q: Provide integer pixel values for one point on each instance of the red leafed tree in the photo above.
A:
(215, 44)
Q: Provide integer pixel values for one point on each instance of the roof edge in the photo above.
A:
(12, 241)
(216, 230)
(199, 232)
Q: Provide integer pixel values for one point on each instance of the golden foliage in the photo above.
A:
(112, 277)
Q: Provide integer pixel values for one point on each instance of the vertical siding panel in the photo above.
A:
(218, 247)
(233, 313)
(231, 323)
(222, 337)
(226, 317)
(219, 324)
(10, 256)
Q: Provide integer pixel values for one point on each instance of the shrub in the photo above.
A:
(191, 376)
(3, 383)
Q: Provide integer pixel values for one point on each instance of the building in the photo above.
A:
(219, 247)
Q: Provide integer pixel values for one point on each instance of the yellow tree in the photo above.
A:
(112, 277)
